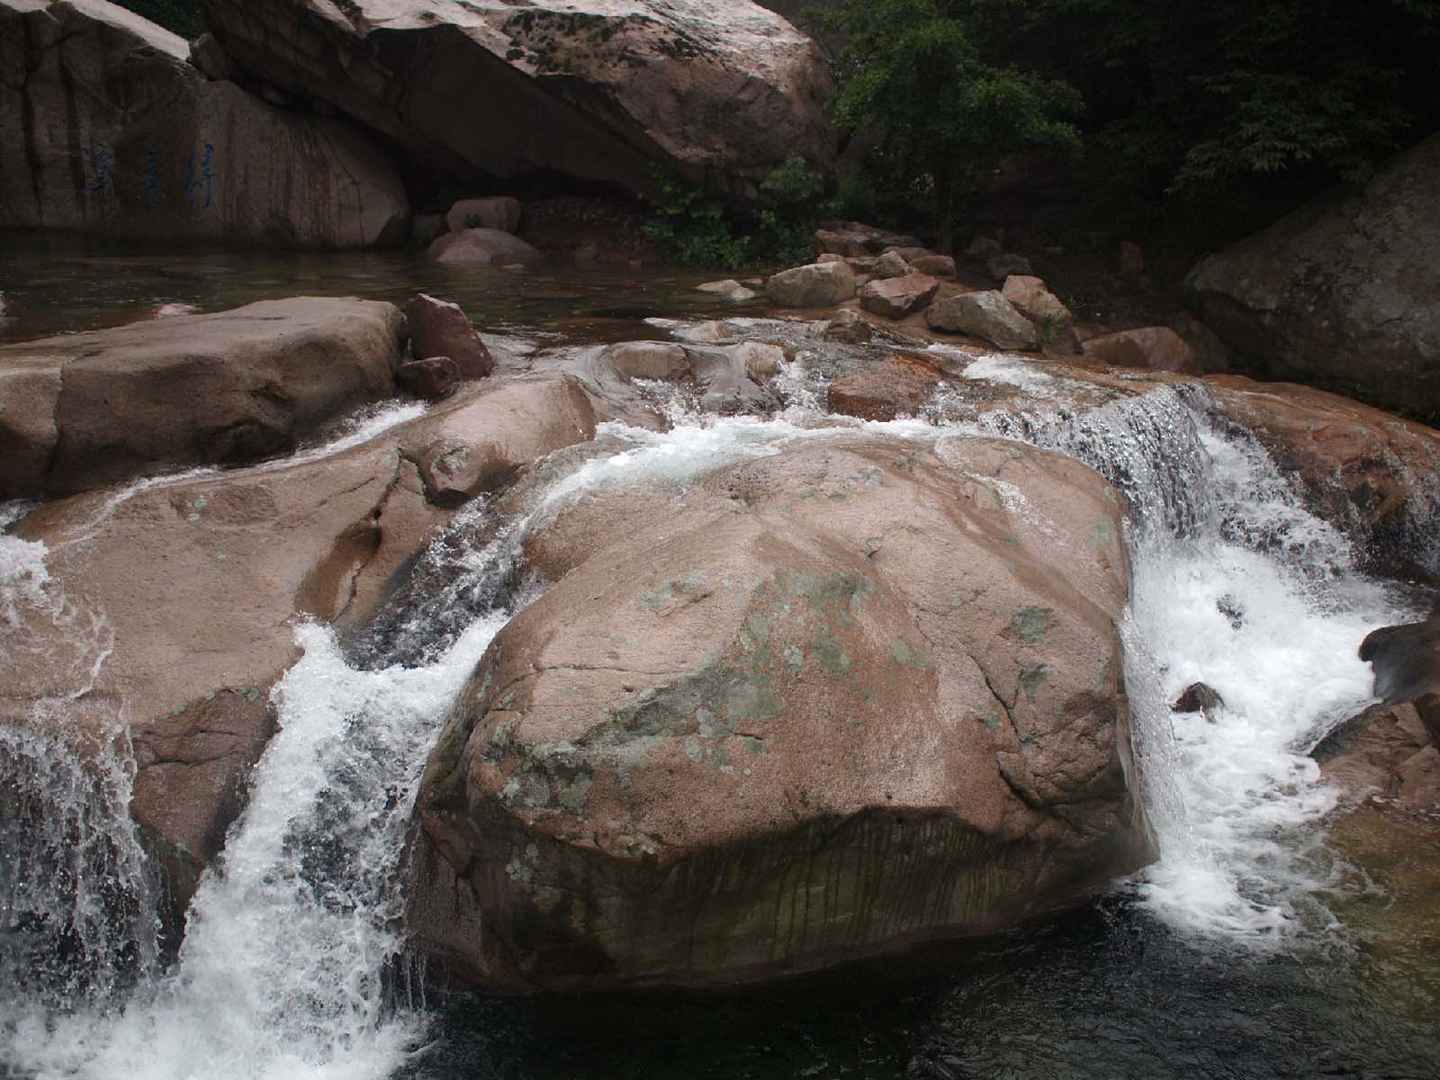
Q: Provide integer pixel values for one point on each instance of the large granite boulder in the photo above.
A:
(1344, 293)
(986, 315)
(812, 707)
(723, 92)
(817, 285)
(108, 129)
(83, 410)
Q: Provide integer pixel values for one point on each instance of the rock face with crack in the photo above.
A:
(762, 725)
(109, 130)
(723, 92)
(83, 410)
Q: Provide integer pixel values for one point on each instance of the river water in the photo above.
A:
(1258, 946)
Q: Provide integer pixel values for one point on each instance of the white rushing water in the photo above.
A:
(283, 968)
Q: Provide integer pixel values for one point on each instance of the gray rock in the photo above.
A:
(986, 315)
(1004, 265)
(815, 286)
(500, 212)
(484, 247)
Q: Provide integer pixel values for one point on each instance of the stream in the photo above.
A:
(1255, 947)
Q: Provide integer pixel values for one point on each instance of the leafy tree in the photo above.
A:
(914, 72)
(184, 17)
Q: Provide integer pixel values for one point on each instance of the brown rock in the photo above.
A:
(1156, 348)
(589, 89)
(500, 212)
(735, 692)
(109, 129)
(897, 297)
(1053, 322)
(84, 410)
(483, 247)
(1405, 660)
(1368, 472)
(815, 286)
(440, 328)
(432, 379)
(850, 327)
(649, 360)
(891, 265)
(481, 442)
(1198, 698)
(898, 386)
(1386, 752)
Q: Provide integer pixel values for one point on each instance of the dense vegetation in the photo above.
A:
(1179, 109)
(184, 17)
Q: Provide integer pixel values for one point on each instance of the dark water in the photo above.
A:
(59, 284)
(1105, 992)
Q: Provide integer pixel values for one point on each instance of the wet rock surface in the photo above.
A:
(747, 731)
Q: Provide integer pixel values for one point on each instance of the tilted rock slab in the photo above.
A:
(83, 410)
(818, 706)
(1343, 293)
(107, 129)
(600, 90)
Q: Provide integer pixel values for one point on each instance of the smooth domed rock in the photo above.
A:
(897, 386)
(593, 90)
(649, 360)
(440, 328)
(431, 379)
(728, 290)
(986, 315)
(483, 247)
(483, 442)
(1053, 322)
(760, 360)
(1157, 348)
(1343, 293)
(897, 297)
(108, 129)
(1372, 474)
(500, 212)
(751, 731)
(83, 410)
(814, 286)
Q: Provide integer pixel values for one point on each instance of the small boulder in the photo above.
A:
(891, 265)
(898, 386)
(986, 315)
(440, 328)
(500, 212)
(897, 297)
(1198, 698)
(1004, 265)
(1052, 318)
(660, 360)
(850, 327)
(844, 243)
(1154, 348)
(814, 286)
(431, 379)
(483, 247)
(728, 290)
(1405, 659)
(761, 360)
(942, 266)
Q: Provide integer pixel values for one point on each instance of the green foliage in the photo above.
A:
(698, 230)
(183, 17)
(945, 109)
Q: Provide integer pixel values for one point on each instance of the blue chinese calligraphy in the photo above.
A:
(200, 178)
(101, 160)
(153, 193)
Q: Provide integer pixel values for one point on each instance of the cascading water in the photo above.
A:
(283, 970)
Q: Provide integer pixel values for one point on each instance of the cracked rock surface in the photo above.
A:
(817, 706)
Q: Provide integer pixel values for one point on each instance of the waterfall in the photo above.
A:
(283, 969)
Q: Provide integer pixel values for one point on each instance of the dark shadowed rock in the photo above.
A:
(1405, 659)
(1008, 265)
(108, 129)
(1344, 293)
(1198, 698)
(432, 379)
(440, 328)
(500, 212)
(83, 410)
(765, 689)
